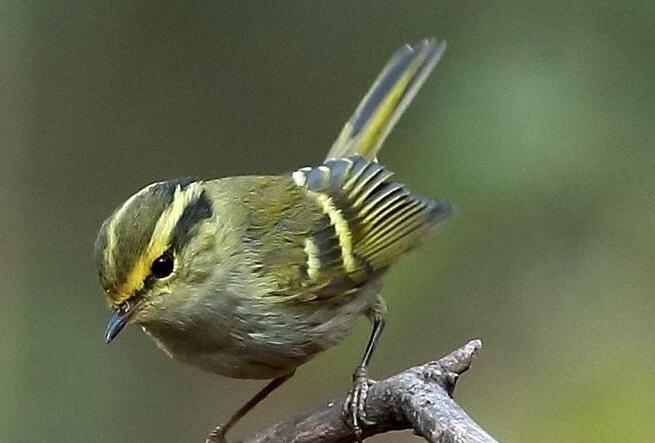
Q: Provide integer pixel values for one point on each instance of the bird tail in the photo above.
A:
(388, 98)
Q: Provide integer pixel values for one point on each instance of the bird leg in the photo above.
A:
(354, 408)
(218, 434)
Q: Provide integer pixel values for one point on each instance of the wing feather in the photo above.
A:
(379, 218)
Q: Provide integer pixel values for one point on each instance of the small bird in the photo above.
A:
(250, 277)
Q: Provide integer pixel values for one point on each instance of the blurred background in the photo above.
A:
(538, 124)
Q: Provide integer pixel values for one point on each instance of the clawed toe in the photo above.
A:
(354, 408)
(217, 435)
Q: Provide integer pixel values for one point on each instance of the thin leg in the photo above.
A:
(378, 327)
(218, 434)
(355, 406)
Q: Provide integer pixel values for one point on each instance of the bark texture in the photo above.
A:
(419, 398)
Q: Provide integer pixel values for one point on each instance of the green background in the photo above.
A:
(538, 124)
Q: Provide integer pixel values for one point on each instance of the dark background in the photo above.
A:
(538, 123)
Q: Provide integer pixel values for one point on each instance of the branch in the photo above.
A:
(418, 398)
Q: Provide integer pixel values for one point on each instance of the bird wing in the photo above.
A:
(329, 229)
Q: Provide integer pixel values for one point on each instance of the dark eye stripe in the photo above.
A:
(196, 211)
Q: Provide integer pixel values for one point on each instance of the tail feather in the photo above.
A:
(387, 100)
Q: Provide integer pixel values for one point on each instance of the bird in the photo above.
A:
(250, 277)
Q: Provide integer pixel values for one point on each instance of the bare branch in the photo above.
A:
(418, 398)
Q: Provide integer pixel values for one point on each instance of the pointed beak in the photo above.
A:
(117, 322)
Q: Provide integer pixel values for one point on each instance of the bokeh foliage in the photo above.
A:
(538, 124)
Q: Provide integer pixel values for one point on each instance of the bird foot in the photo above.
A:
(354, 408)
(217, 435)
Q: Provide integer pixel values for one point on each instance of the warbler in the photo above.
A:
(252, 276)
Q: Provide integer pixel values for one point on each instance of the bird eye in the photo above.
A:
(163, 266)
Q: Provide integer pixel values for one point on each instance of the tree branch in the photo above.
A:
(418, 398)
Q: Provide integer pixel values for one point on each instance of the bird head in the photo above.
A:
(146, 249)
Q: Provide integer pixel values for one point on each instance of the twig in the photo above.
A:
(418, 398)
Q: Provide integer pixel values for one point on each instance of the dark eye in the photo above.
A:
(163, 266)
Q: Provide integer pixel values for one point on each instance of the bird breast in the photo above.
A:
(255, 338)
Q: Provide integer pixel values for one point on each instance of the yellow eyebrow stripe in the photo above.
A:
(110, 248)
(159, 240)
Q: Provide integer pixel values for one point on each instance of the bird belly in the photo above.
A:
(262, 340)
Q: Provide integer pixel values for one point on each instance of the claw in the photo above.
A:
(354, 408)
(217, 435)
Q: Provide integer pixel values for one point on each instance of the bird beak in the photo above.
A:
(118, 320)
